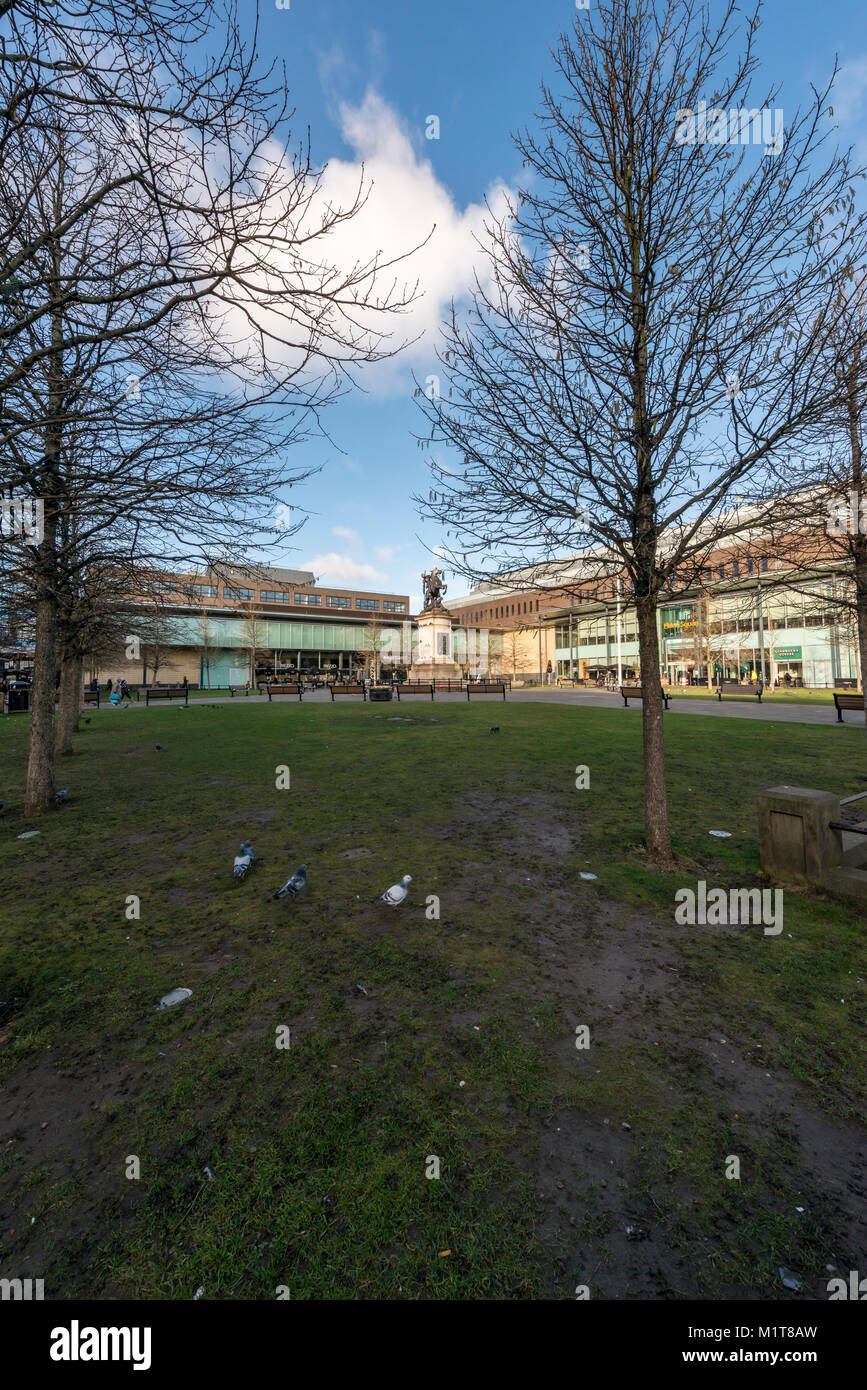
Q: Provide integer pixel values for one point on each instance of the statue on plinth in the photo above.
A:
(434, 588)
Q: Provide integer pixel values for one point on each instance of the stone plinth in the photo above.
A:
(795, 839)
(434, 658)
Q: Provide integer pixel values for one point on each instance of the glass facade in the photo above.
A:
(794, 635)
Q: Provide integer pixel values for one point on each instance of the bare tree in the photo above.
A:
(653, 333)
(153, 207)
(253, 626)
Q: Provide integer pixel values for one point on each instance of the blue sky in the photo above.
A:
(365, 75)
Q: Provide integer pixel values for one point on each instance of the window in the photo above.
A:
(312, 600)
(391, 607)
(722, 571)
(201, 590)
(764, 564)
(274, 596)
(749, 566)
(736, 568)
(707, 575)
(371, 604)
(333, 601)
(239, 593)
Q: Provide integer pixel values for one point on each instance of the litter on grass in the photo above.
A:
(721, 834)
(175, 996)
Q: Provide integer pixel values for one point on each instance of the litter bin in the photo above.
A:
(18, 699)
(380, 692)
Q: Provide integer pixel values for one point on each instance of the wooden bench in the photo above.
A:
(91, 697)
(285, 688)
(847, 701)
(487, 688)
(636, 692)
(237, 689)
(448, 684)
(348, 690)
(732, 688)
(416, 688)
(166, 692)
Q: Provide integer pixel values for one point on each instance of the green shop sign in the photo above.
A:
(787, 654)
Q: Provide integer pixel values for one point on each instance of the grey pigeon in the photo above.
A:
(292, 887)
(395, 895)
(61, 795)
(495, 728)
(158, 747)
(243, 860)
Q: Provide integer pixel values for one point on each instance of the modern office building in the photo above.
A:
(216, 630)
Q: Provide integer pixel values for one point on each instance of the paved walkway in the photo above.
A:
(715, 709)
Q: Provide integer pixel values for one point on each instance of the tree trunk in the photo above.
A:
(860, 557)
(39, 795)
(69, 703)
(655, 801)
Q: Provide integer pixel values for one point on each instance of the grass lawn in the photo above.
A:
(412, 1037)
(781, 695)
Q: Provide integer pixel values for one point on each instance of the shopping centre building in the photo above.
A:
(744, 615)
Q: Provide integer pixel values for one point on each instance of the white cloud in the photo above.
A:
(347, 534)
(407, 205)
(385, 552)
(341, 570)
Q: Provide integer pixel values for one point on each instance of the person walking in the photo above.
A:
(124, 691)
(108, 686)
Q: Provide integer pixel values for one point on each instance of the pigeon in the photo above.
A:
(395, 895)
(292, 887)
(243, 860)
(61, 795)
(495, 728)
(87, 721)
(158, 747)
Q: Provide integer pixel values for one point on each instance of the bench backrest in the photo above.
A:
(637, 691)
(847, 701)
(416, 689)
(348, 689)
(286, 688)
(487, 687)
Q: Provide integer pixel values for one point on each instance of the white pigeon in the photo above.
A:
(243, 860)
(395, 895)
